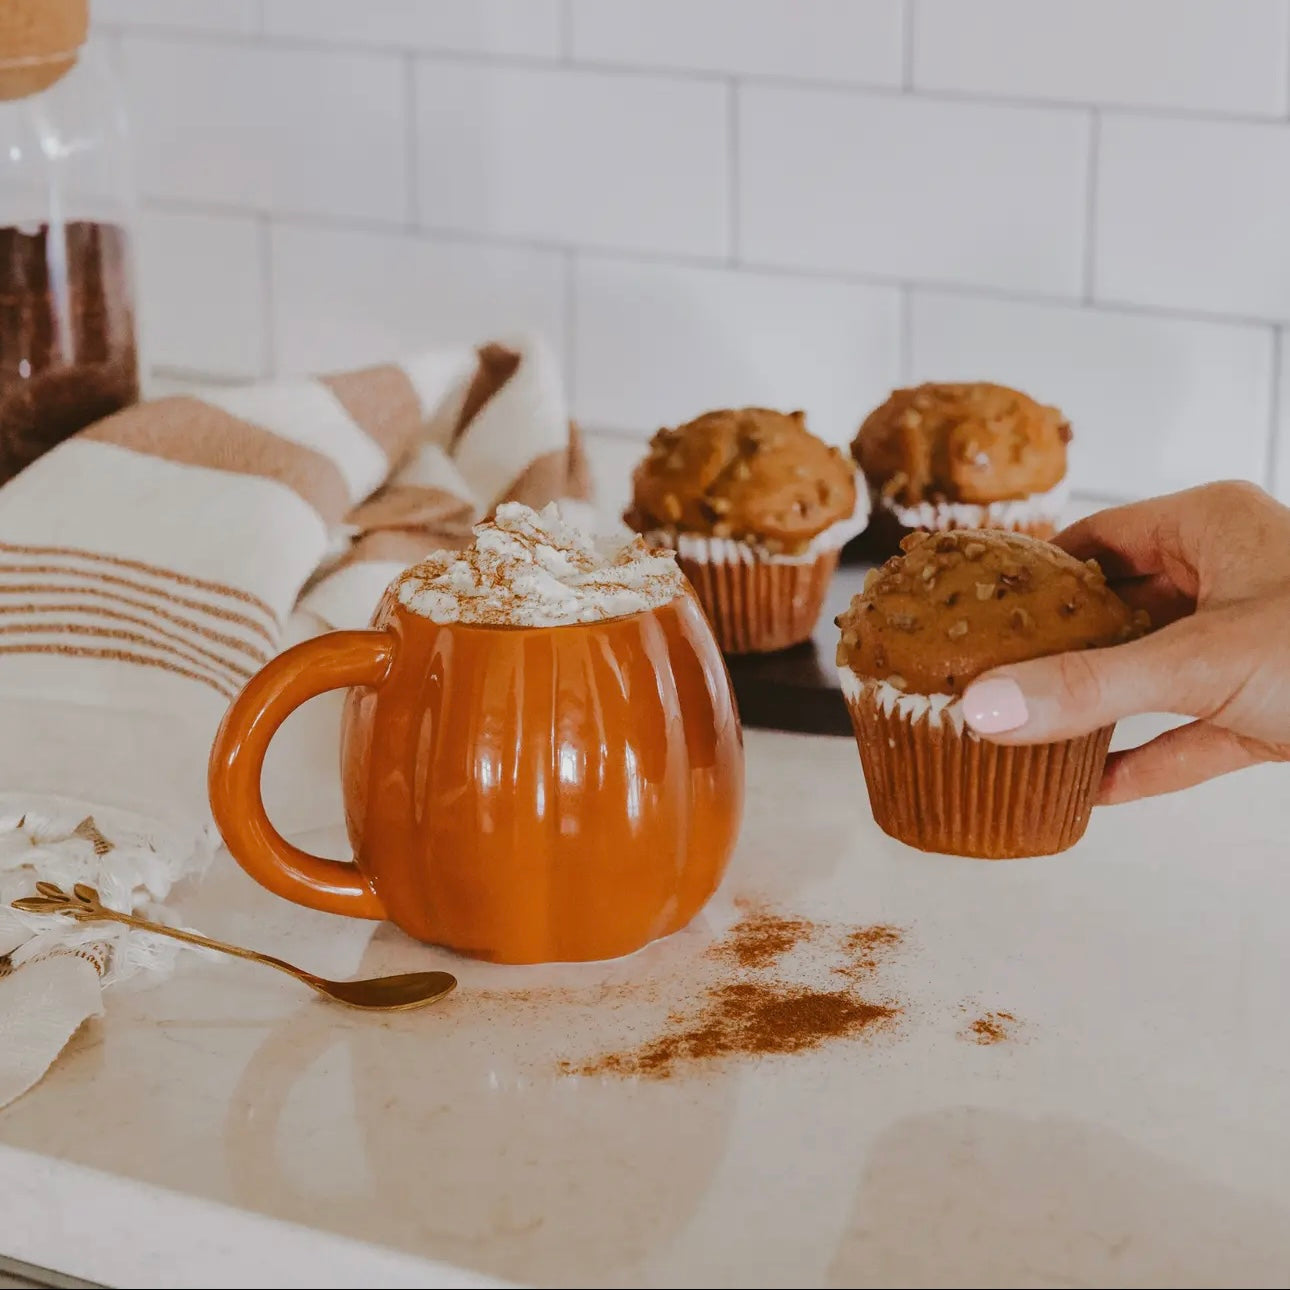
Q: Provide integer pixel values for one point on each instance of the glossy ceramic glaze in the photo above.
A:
(518, 794)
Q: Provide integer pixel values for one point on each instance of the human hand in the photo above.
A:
(1211, 565)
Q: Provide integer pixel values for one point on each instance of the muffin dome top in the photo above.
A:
(748, 473)
(976, 443)
(957, 604)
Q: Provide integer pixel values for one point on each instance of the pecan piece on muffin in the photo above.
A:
(929, 621)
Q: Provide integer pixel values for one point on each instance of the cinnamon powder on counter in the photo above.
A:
(866, 945)
(761, 938)
(990, 1028)
(751, 1011)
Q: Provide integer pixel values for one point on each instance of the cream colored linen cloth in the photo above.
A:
(147, 569)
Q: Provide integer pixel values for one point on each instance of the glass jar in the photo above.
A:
(68, 343)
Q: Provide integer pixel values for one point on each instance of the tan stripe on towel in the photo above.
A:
(189, 432)
(419, 506)
(563, 473)
(404, 545)
(130, 638)
(239, 670)
(120, 562)
(497, 365)
(112, 579)
(121, 656)
(253, 652)
(383, 403)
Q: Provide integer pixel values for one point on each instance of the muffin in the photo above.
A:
(929, 622)
(973, 456)
(757, 509)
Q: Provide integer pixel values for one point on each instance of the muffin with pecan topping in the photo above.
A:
(976, 455)
(930, 621)
(757, 509)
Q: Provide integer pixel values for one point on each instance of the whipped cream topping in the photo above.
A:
(530, 568)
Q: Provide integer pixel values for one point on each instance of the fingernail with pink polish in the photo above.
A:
(995, 706)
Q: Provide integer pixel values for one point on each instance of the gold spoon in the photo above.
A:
(382, 993)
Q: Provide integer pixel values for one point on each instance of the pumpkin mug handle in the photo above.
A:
(330, 662)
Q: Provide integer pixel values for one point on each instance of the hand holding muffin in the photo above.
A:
(757, 509)
(929, 621)
(1213, 565)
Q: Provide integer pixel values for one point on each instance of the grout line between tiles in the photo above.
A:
(1285, 65)
(1272, 454)
(907, 17)
(566, 31)
(264, 239)
(570, 327)
(196, 375)
(1090, 206)
(1100, 500)
(411, 141)
(732, 171)
(905, 354)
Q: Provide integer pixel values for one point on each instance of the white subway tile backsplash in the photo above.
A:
(180, 15)
(612, 458)
(343, 298)
(270, 129)
(516, 27)
(562, 155)
(655, 345)
(1201, 55)
(858, 41)
(202, 288)
(908, 188)
(705, 202)
(1193, 215)
(1156, 403)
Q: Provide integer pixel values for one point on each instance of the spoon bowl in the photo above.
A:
(389, 993)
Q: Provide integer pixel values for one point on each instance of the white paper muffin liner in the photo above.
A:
(1038, 511)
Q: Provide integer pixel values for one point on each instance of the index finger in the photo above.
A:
(1133, 541)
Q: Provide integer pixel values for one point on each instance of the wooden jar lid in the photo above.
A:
(40, 41)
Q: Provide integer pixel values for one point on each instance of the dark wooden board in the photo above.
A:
(797, 689)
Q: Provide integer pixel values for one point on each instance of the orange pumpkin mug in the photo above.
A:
(518, 794)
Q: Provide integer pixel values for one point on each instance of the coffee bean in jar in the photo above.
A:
(67, 336)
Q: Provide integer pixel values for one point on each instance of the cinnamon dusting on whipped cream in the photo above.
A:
(529, 568)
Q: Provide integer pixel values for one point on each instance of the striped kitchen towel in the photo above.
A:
(147, 569)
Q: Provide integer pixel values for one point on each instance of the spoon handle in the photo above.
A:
(194, 938)
(85, 906)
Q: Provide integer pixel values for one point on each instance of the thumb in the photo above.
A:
(1067, 695)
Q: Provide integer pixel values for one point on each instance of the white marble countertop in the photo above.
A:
(223, 1128)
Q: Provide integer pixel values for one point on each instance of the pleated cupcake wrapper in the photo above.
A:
(1020, 515)
(761, 604)
(935, 785)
